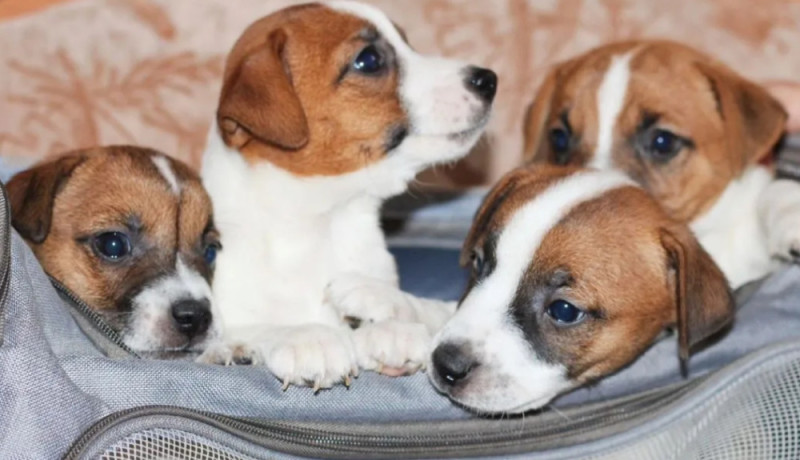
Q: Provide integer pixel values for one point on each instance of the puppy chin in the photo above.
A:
(488, 393)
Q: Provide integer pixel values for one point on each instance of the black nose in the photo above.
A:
(482, 82)
(452, 363)
(192, 317)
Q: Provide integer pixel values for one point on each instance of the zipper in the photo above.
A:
(303, 439)
(94, 318)
(5, 263)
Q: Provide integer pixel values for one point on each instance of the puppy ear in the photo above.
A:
(535, 118)
(756, 119)
(32, 193)
(258, 100)
(483, 217)
(704, 302)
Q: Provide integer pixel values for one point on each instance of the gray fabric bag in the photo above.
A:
(69, 390)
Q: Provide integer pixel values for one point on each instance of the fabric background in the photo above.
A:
(76, 73)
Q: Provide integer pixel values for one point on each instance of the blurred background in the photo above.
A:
(76, 73)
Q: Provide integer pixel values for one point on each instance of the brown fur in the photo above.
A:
(732, 123)
(284, 101)
(633, 268)
(108, 189)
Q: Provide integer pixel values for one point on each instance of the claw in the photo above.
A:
(354, 372)
(379, 369)
(347, 381)
(316, 386)
(285, 385)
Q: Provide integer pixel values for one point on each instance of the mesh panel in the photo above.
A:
(169, 445)
(757, 417)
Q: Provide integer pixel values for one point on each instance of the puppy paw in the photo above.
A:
(362, 300)
(393, 348)
(229, 354)
(313, 355)
(784, 240)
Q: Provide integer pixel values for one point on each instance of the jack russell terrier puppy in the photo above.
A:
(325, 112)
(130, 232)
(575, 273)
(693, 133)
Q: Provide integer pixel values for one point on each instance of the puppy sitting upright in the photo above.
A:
(130, 232)
(575, 273)
(687, 128)
(325, 111)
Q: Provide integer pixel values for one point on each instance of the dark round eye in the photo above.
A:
(559, 141)
(369, 60)
(112, 245)
(564, 312)
(210, 253)
(664, 144)
(477, 263)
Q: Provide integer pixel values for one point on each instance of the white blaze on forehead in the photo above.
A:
(378, 19)
(610, 99)
(523, 380)
(163, 166)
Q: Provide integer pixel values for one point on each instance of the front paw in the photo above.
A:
(393, 348)
(360, 299)
(313, 355)
(784, 241)
(231, 353)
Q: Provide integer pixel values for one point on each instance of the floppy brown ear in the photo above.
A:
(32, 193)
(535, 118)
(756, 119)
(704, 302)
(483, 217)
(258, 100)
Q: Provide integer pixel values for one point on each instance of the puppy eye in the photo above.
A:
(210, 253)
(560, 143)
(477, 263)
(112, 245)
(369, 60)
(664, 145)
(564, 312)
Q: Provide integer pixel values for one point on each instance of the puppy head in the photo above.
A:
(574, 275)
(677, 122)
(330, 89)
(130, 231)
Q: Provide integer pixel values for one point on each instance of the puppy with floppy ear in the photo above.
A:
(692, 132)
(575, 273)
(130, 232)
(325, 111)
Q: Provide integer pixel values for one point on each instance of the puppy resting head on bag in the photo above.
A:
(130, 232)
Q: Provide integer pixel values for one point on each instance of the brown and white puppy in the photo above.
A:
(575, 273)
(688, 129)
(325, 111)
(130, 232)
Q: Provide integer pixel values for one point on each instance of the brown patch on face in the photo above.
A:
(722, 123)
(621, 260)
(119, 189)
(291, 97)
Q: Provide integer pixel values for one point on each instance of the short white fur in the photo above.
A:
(610, 101)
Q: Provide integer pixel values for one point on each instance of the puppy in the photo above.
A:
(325, 111)
(130, 232)
(575, 273)
(693, 133)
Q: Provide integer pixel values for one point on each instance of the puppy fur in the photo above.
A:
(594, 239)
(304, 148)
(66, 209)
(712, 171)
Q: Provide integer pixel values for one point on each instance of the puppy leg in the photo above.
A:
(362, 299)
(779, 210)
(392, 347)
(310, 355)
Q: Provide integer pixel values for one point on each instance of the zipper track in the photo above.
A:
(92, 316)
(5, 263)
(300, 439)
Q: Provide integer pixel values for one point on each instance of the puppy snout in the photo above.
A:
(482, 82)
(192, 317)
(452, 363)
